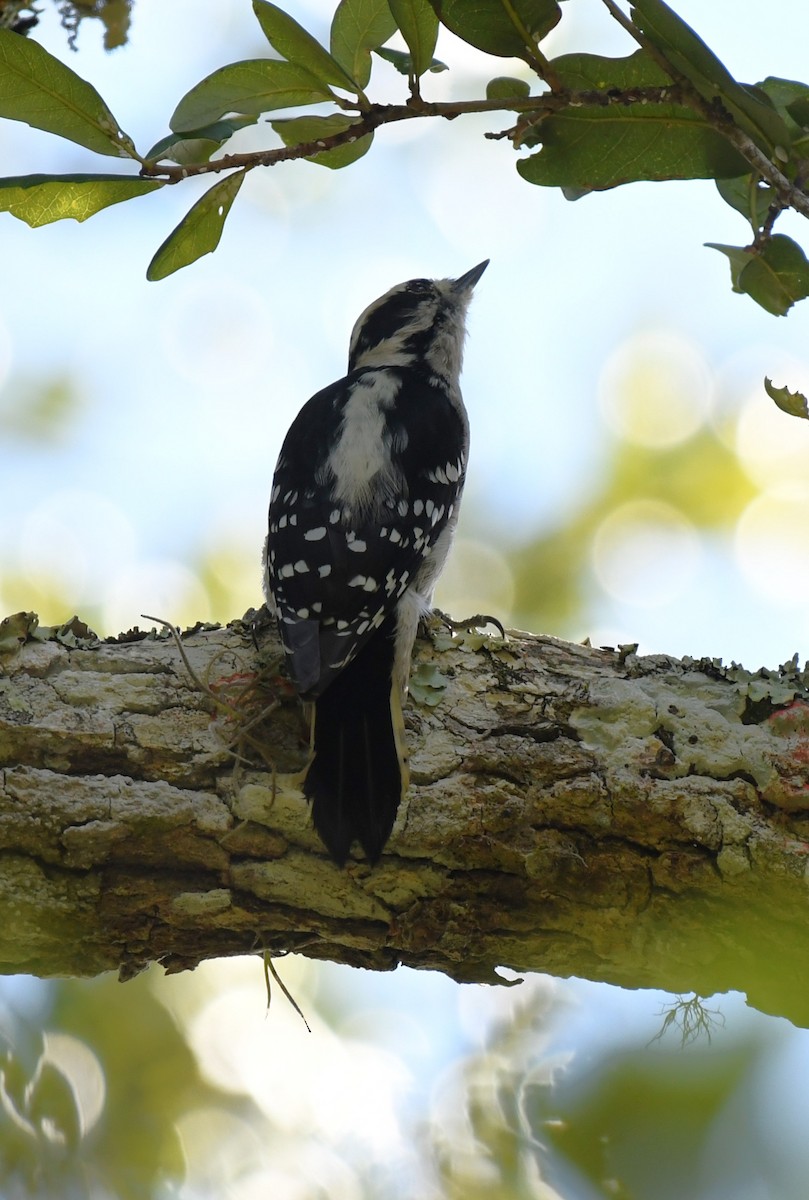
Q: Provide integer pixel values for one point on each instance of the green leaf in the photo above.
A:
(38, 89)
(775, 276)
(597, 73)
(360, 26)
(799, 108)
(183, 149)
(198, 145)
(296, 130)
(297, 45)
(592, 147)
(791, 100)
(590, 150)
(503, 87)
(199, 231)
(404, 62)
(41, 199)
(794, 403)
(687, 52)
(418, 25)
(739, 257)
(509, 30)
(749, 196)
(252, 87)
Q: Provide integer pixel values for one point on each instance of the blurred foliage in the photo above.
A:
(92, 1094)
(43, 411)
(44, 595)
(700, 477)
(90, 1098)
(634, 1123)
(645, 1122)
(22, 16)
(114, 15)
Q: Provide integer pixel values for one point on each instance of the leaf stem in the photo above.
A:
(535, 57)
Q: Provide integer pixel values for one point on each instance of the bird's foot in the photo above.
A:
(478, 621)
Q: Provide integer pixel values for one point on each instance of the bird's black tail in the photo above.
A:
(358, 771)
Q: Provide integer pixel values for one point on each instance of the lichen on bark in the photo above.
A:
(640, 820)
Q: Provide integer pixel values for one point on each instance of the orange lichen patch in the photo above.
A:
(793, 719)
(241, 680)
(789, 727)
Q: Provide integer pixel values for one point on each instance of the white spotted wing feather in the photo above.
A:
(341, 554)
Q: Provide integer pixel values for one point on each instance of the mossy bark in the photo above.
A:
(639, 820)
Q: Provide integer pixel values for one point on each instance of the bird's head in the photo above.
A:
(422, 320)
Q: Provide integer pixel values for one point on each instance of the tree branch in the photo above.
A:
(377, 115)
(643, 821)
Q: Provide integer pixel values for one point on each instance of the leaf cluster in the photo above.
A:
(670, 110)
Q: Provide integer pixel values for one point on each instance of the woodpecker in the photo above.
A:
(363, 510)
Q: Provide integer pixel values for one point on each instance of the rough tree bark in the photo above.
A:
(639, 820)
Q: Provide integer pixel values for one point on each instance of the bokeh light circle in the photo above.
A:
(161, 588)
(655, 389)
(772, 446)
(76, 539)
(772, 544)
(645, 553)
(477, 578)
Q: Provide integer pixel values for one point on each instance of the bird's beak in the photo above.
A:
(466, 282)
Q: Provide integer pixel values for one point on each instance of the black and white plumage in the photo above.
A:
(363, 510)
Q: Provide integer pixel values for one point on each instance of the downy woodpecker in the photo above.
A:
(364, 506)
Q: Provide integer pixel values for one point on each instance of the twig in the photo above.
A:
(175, 633)
(534, 57)
(242, 732)
(269, 969)
(386, 114)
